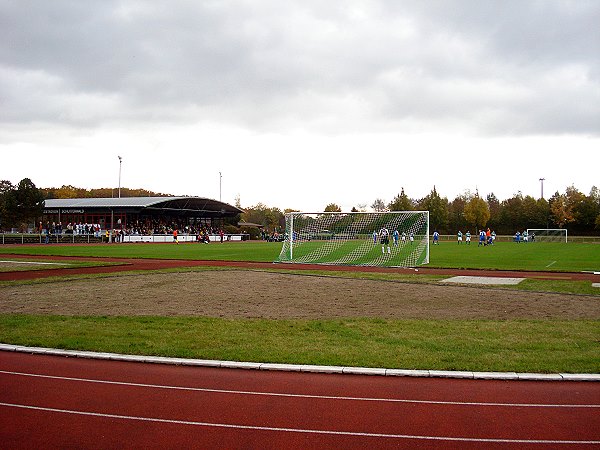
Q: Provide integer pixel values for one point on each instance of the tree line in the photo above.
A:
(21, 206)
(577, 212)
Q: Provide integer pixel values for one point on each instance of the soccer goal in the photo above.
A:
(387, 239)
(547, 234)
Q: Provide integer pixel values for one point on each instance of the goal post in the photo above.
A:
(547, 234)
(357, 238)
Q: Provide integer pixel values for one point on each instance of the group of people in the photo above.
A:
(384, 238)
(202, 236)
(486, 237)
(149, 227)
(524, 237)
(71, 228)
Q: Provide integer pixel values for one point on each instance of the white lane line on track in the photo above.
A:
(308, 396)
(300, 430)
(36, 262)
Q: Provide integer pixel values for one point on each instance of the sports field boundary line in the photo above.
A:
(515, 376)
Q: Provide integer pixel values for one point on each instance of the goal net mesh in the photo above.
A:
(547, 235)
(357, 238)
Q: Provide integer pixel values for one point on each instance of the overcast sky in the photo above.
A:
(302, 103)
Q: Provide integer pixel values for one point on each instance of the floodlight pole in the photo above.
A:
(120, 163)
(542, 182)
(220, 182)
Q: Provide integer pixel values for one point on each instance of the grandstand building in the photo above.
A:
(129, 213)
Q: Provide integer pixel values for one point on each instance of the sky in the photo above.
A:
(299, 104)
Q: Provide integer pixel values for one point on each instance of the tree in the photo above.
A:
(6, 191)
(477, 212)
(585, 209)
(560, 211)
(401, 202)
(456, 212)
(26, 204)
(495, 211)
(438, 210)
(271, 218)
(378, 205)
(332, 207)
(511, 214)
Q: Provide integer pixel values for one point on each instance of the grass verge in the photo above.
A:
(543, 346)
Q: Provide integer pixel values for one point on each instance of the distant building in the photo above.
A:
(125, 212)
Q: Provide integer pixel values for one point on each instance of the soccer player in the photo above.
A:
(396, 236)
(175, 236)
(436, 237)
(481, 238)
(384, 238)
(459, 237)
(411, 237)
(374, 237)
(468, 236)
(403, 237)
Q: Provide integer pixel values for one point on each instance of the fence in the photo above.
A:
(34, 238)
(68, 238)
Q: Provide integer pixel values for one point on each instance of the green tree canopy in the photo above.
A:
(332, 207)
(477, 212)
(438, 210)
(401, 202)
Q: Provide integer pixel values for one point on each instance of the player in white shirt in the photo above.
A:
(384, 238)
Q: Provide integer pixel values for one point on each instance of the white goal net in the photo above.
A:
(547, 234)
(388, 239)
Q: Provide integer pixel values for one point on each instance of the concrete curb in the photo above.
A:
(305, 368)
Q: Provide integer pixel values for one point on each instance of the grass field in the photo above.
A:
(501, 256)
(485, 345)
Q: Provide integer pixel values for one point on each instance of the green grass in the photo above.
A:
(511, 256)
(522, 346)
(502, 256)
(229, 251)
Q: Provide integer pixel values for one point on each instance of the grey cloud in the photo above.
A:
(361, 65)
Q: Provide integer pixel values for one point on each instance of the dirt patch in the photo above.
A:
(255, 294)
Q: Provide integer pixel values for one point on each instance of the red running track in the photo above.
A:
(58, 402)
(131, 264)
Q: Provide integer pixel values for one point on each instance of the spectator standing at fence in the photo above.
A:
(221, 234)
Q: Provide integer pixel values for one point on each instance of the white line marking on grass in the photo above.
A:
(307, 396)
(551, 264)
(297, 430)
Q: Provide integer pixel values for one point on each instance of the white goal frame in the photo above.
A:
(353, 238)
(555, 233)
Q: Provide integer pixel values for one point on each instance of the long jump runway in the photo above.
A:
(58, 402)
